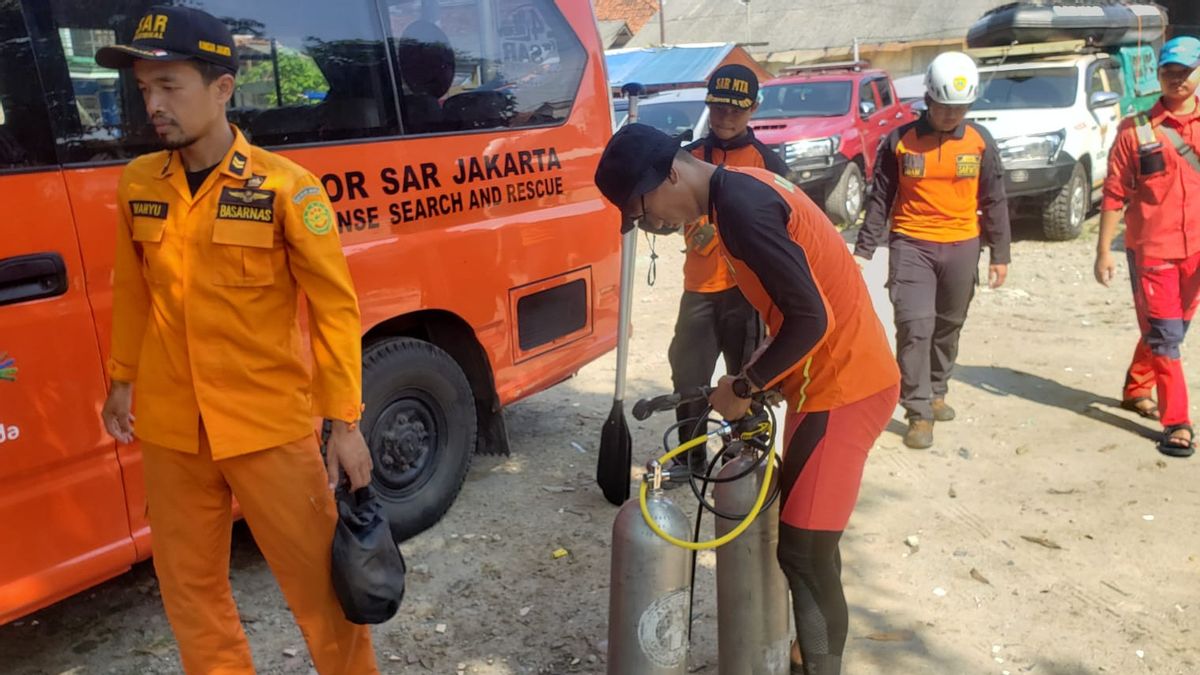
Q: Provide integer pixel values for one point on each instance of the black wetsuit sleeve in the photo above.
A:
(993, 202)
(873, 232)
(771, 160)
(752, 220)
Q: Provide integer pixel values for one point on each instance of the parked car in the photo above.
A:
(1054, 117)
(827, 122)
(680, 112)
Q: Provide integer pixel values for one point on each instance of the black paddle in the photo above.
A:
(616, 444)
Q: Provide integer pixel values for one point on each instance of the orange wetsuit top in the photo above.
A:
(828, 348)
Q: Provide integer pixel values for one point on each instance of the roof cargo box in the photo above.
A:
(1101, 24)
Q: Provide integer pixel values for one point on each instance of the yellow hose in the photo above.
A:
(732, 534)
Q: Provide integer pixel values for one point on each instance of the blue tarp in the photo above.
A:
(686, 64)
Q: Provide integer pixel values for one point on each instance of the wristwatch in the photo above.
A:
(742, 387)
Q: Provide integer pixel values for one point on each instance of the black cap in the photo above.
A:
(636, 160)
(734, 85)
(174, 34)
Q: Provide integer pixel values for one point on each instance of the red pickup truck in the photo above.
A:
(826, 122)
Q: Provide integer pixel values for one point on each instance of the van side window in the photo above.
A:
(483, 64)
(307, 74)
(25, 138)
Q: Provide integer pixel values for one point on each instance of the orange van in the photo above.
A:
(457, 140)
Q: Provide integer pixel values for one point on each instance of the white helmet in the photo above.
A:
(952, 79)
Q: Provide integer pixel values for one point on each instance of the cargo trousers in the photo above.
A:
(931, 286)
(284, 497)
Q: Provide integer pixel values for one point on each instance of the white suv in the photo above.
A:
(1054, 119)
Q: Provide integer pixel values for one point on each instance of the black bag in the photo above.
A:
(368, 569)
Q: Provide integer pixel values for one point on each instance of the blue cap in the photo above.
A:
(1183, 50)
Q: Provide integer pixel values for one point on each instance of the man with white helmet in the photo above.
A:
(940, 182)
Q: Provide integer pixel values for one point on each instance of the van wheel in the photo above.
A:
(420, 424)
(1064, 213)
(845, 202)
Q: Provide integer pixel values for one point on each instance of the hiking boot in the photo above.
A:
(920, 434)
(942, 412)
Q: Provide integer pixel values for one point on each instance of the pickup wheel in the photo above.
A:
(845, 202)
(1064, 213)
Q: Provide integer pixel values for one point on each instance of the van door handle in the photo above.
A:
(32, 277)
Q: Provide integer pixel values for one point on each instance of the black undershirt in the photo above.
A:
(196, 178)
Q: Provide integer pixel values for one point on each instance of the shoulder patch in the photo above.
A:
(305, 193)
(318, 218)
(237, 163)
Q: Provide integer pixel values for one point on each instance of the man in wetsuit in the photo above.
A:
(828, 353)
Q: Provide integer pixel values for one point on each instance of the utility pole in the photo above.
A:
(662, 23)
(747, 4)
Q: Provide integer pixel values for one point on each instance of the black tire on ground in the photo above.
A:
(420, 424)
(1064, 213)
(845, 201)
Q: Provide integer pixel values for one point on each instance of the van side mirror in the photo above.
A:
(1104, 99)
(866, 109)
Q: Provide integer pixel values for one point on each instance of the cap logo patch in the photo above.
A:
(151, 27)
(960, 83)
(214, 48)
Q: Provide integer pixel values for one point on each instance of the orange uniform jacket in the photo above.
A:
(1163, 218)
(934, 185)
(205, 303)
(703, 269)
(828, 348)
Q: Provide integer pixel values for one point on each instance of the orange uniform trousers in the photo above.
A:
(284, 496)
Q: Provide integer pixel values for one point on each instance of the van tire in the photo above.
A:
(420, 424)
(1064, 213)
(850, 189)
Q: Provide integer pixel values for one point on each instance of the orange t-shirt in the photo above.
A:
(703, 270)
(828, 348)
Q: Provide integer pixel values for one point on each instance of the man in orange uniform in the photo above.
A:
(215, 238)
(934, 177)
(1154, 178)
(714, 317)
(828, 352)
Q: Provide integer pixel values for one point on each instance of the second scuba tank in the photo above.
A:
(752, 593)
(648, 591)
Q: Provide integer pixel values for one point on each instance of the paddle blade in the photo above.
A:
(616, 456)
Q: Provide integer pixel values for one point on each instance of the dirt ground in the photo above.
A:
(1051, 537)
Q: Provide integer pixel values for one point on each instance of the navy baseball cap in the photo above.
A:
(734, 85)
(636, 161)
(167, 33)
(1183, 50)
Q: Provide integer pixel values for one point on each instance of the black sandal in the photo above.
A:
(1169, 443)
(1134, 405)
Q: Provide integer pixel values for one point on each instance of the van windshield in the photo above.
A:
(808, 99)
(1029, 88)
(671, 117)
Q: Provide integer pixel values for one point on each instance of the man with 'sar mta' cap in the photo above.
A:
(828, 353)
(215, 239)
(714, 317)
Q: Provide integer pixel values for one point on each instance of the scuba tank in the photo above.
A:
(752, 593)
(649, 588)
